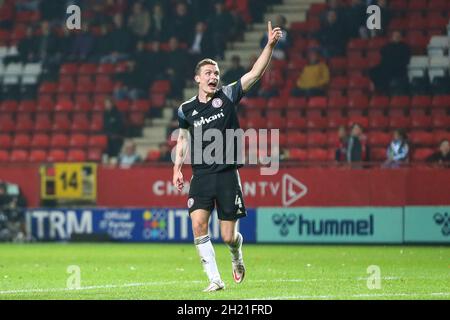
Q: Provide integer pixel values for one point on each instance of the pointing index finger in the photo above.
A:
(269, 26)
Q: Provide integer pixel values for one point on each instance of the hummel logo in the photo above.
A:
(194, 112)
(444, 220)
(285, 221)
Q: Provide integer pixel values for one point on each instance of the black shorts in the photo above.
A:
(221, 190)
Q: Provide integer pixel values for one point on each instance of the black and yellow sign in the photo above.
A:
(69, 181)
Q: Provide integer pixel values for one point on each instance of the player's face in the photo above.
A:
(208, 78)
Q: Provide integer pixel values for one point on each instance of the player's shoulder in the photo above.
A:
(188, 104)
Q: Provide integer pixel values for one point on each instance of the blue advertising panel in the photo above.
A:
(126, 225)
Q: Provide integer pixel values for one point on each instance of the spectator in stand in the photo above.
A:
(158, 62)
(357, 147)
(177, 64)
(332, 36)
(441, 157)
(393, 66)
(283, 44)
(139, 21)
(200, 44)
(46, 44)
(235, 72)
(182, 24)
(113, 127)
(102, 45)
(83, 44)
(398, 150)
(129, 157)
(355, 19)
(120, 42)
(336, 6)
(314, 77)
(158, 32)
(165, 153)
(220, 23)
(237, 26)
(52, 10)
(27, 47)
(341, 148)
(135, 82)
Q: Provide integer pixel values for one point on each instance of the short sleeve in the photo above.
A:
(234, 91)
(182, 121)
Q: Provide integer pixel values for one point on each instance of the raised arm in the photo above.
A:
(181, 150)
(248, 79)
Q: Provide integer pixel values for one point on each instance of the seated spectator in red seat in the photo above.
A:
(27, 47)
(313, 78)
(235, 72)
(441, 157)
(128, 157)
(393, 66)
(341, 148)
(158, 31)
(113, 127)
(355, 18)
(119, 41)
(181, 24)
(283, 44)
(332, 36)
(83, 44)
(357, 147)
(398, 150)
(178, 64)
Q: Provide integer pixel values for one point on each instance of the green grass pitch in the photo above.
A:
(173, 271)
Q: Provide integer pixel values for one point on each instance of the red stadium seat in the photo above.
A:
(337, 102)
(27, 106)
(38, 156)
(317, 154)
(421, 102)
(336, 122)
(400, 102)
(296, 103)
(359, 82)
(21, 141)
(339, 83)
(7, 123)
(83, 107)
(257, 123)
(59, 140)
(297, 154)
(441, 122)
(136, 119)
(87, 69)
(317, 103)
(296, 138)
(316, 139)
(420, 154)
(378, 154)
(276, 103)
(78, 141)
(4, 156)
(254, 103)
(158, 100)
(140, 105)
(439, 135)
(441, 101)
(64, 106)
(276, 123)
(378, 122)
(94, 154)
(24, 122)
(105, 68)
(420, 122)
(61, 123)
(68, 69)
(153, 155)
(421, 138)
(160, 86)
(400, 122)
(358, 102)
(295, 123)
(98, 141)
(56, 155)
(380, 139)
(5, 141)
(43, 123)
(316, 123)
(18, 155)
(40, 141)
(123, 105)
(76, 155)
(80, 123)
(45, 104)
(96, 122)
(8, 106)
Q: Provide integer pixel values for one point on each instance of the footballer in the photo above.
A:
(216, 185)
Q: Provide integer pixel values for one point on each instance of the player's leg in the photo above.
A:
(234, 241)
(230, 208)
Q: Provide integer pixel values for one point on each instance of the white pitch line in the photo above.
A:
(368, 295)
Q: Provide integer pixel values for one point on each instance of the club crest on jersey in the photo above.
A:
(217, 103)
(190, 202)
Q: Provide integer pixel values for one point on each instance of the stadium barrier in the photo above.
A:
(343, 225)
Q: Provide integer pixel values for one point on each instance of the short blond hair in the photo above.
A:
(204, 62)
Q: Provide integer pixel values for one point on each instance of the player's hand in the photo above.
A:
(273, 35)
(178, 181)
